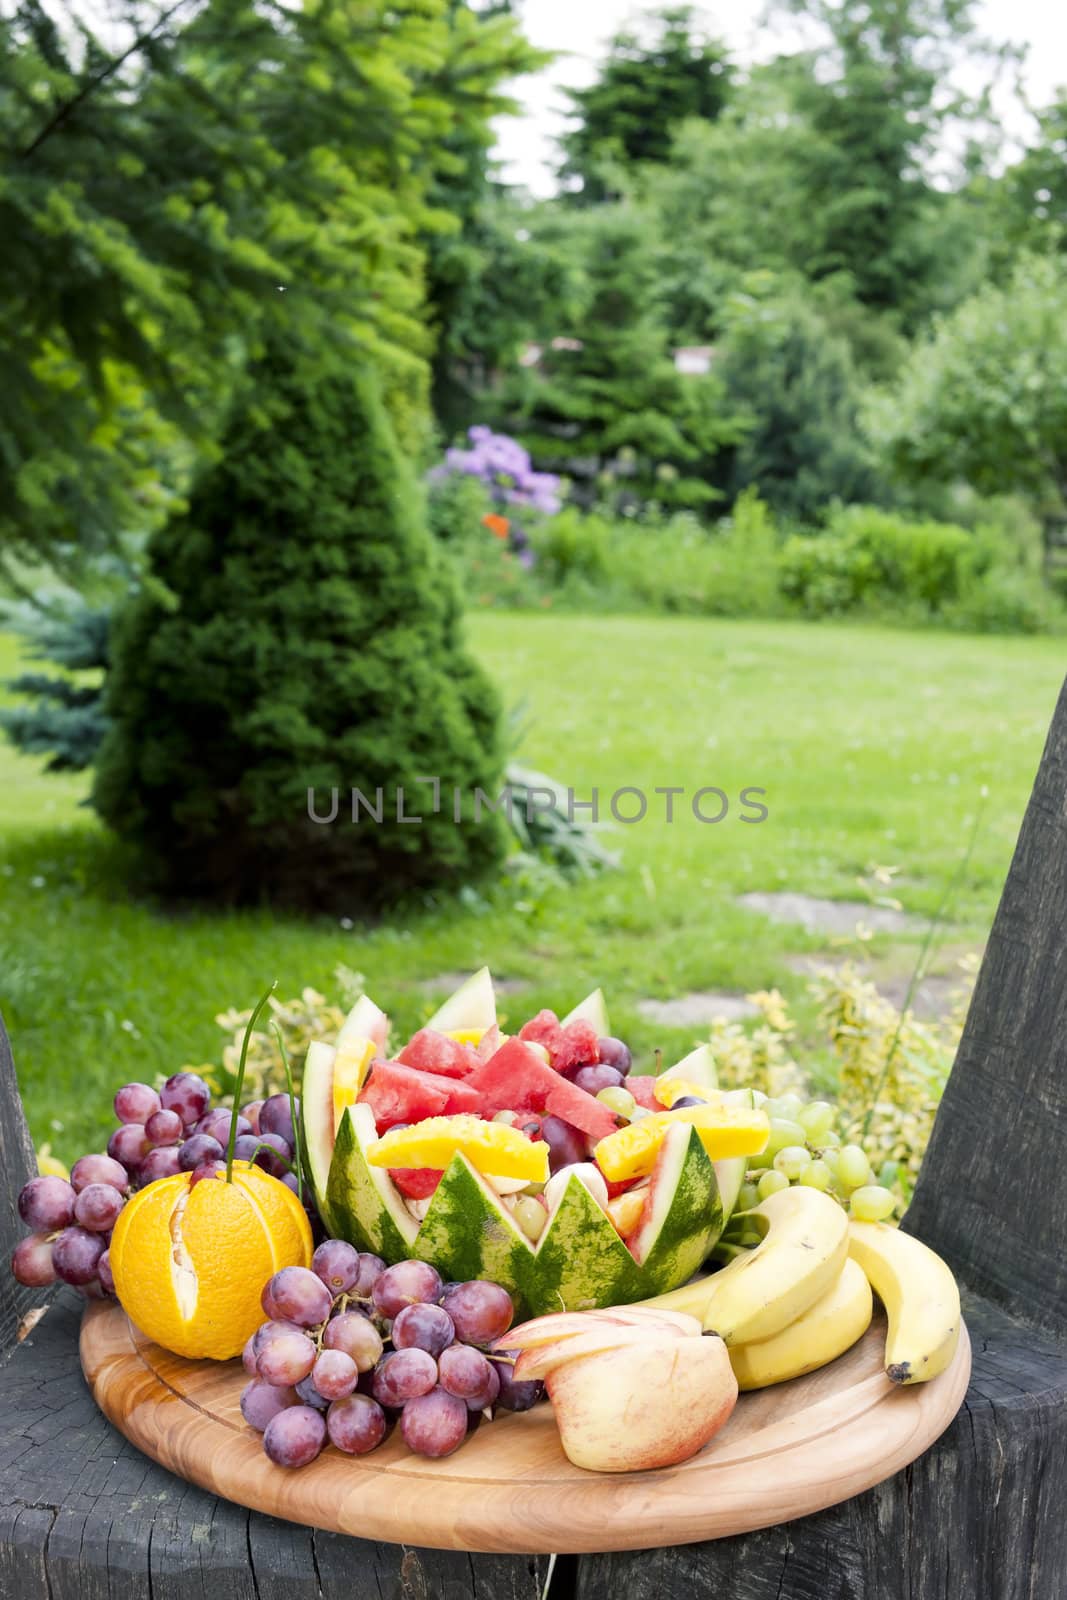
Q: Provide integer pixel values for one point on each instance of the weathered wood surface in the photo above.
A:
(17, 1164)
(992, 1196)
(784, 1453)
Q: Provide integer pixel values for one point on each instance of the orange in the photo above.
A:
(190, 1264)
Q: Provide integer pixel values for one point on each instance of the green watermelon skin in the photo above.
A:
(579, 1262)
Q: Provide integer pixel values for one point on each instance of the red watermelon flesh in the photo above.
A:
(642, 1086)
(429, 1051)
(517, 1079)
(417, 1183)
(578, 1046)
(398, 1093)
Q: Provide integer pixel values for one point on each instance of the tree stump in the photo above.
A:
(978, 1517)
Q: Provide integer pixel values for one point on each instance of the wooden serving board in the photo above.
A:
(785, 1452)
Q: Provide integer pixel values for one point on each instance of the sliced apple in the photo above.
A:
(592, 1010)
(472, 1009)
(533, 1364)
(544, 1330)
(679, 1321)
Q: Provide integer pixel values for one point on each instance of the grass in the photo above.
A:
(873, 747)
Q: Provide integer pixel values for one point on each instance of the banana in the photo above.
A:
(819, 1335)
(920, 1295)
(767, 1288)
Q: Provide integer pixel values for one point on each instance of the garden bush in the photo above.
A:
(867, 557)
(298, 628)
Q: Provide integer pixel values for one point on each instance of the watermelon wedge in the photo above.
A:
(517, 1079)
(431, 1051)
(396, 1093)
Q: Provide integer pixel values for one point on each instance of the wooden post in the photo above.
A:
(17, 1165)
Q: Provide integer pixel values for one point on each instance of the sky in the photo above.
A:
(581, 28)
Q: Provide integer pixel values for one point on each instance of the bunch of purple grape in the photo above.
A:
(160, 1133)
(353, 1345)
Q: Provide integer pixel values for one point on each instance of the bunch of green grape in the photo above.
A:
(805, 1148)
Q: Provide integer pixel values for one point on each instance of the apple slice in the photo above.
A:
(539, 1363)
(544, 1330)
(679, 1322)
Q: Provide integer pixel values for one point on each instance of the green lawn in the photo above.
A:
(873, 747)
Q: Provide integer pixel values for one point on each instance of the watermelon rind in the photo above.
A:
(578, 1263)
(592, 1010)
(472, 1008)
(364, 1021)
(316, 1121)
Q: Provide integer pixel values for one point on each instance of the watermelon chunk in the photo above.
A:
(516, 1079)
(398, 1093)
(417, 1183)
(578, 1047)
(430, 1051)
(543, 1029)
(642, 1086)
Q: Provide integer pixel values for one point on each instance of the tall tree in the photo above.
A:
(645, 88)
(158, 190)
(318, 636)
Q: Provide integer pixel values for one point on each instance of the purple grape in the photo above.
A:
(188, 1095)
(160, 1163)
(356, 1424)
(260, 1402)
(104, 1273)
(310, 1396)
(295, 1436)
(487, 1396)
(565, 1144)
(464, 1371)
(248, 1357)
(422, 1327)
(266, 1300)
(334, 1374)
(402, 1375)
(275, 1116)
(408, 1283)
(593, 1079)
(613, 1053)
(135, 1102)
(128, 1145)
(268, 1331)
(46, 1204)
(269, 1147)
(434, 1424)
(201, 1147)
(98, 1169)
(91, 1290)
(217, 1125)
(245, 1146)
(370, 1270)
(213, 1167)
(286, 1358)
(687, 1100)
(357, 1336)
(480, 1311)
(516, 1396)
(75, 1255)
(251, 1113)
(31, 1261)
(164, 1128)
(97, 1207)
(301, 1295)
(337, 1264)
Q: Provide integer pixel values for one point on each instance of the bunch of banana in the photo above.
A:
(802, 1296)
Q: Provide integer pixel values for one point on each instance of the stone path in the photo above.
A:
(828, 916)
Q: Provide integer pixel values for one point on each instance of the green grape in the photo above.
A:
(531, 1217)
(784, 1105)
(853, 1168)
(816, 1118)
(748, 1197)
(831, 1139)
(619, 1100)
(888, 1174)
(771, 1183)
(510, 1117)
(783, 1132)
(816, 1175)
(830, 1159)
(759, 1098)
(872, 1203)
(792, 1160)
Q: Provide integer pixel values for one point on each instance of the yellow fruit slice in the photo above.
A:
(190, 1262)
(466, 1035)
(725, 1131)
(668, 1090)
(626, 1209)
(350, 1067)
(490, 1147)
